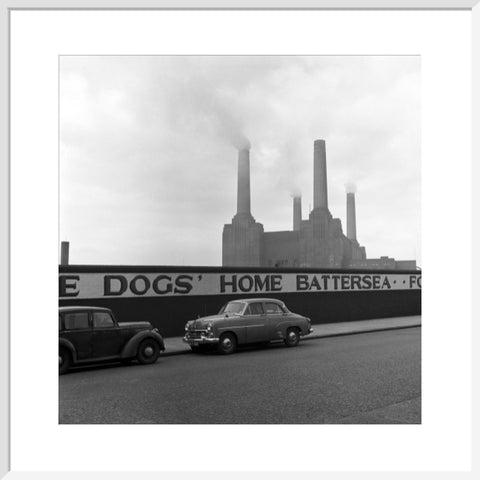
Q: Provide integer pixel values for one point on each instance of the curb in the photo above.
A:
(357, 332)
(318, 336)
(177, 352)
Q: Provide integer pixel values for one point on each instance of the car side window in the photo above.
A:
(272, 308)
(102, 320)
(256, 308)
(76, 320)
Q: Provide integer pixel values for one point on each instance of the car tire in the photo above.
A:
(227, 344)
(64, 360)
(292, 338)
(148, 351)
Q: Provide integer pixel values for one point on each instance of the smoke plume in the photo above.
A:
(197, 103)
(350, 187)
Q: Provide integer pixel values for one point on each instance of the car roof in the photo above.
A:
(250, 300)
(82, 308)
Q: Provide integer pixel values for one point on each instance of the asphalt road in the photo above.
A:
(361, 379)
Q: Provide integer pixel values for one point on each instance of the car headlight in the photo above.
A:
(186, 327)
(209, 327)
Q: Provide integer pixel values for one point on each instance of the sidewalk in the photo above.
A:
(175, 345)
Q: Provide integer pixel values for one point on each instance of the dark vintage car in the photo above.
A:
(92, 334)
(249, 320)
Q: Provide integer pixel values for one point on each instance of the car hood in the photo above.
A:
(200, 323)
(136, 325)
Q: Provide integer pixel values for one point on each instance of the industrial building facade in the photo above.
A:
(316, 242)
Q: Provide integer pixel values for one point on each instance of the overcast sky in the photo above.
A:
(148, 157)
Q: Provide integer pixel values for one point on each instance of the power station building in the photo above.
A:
(316, 242)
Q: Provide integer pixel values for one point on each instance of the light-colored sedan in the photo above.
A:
(249, 320)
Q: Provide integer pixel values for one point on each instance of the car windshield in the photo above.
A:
(233, 308)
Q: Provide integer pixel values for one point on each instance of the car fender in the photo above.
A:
(63, 342)
(238, 329)
(130, 349)
(284, 325)
(302, 326)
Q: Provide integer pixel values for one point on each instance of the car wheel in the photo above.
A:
(64, 360)
(292, 338)
(227, 343)
(148, 351)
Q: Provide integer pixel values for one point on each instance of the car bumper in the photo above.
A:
(310, 330)
(202, 340)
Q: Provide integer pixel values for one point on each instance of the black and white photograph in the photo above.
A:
(240, 239)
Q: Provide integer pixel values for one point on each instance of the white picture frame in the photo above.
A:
(8, 6)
